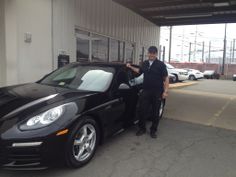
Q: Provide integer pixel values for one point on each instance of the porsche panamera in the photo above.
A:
(66, 115)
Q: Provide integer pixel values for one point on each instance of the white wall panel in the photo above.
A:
(2, 45)
(27, 62)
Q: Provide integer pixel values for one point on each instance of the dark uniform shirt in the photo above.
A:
(154, 75)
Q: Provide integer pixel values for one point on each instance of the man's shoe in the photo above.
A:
(153, 134)
(140, 132)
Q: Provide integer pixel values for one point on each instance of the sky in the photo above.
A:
(182, 36)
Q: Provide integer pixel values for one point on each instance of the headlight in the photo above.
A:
(43, 119)
(183, 73)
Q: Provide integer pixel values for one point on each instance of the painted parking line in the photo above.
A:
(203, 93)
(182, 84)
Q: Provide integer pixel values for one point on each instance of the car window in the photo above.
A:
(68, 74)
(86, 78)
(169, 66)
(96, 80)
(122, 77)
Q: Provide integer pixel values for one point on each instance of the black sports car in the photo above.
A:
(65, 115)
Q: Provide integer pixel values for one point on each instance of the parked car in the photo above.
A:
(180, 74)
(65, 115)
(234, 77)
(211, 74)
(194, 74)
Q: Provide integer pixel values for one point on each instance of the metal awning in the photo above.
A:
(183, 12)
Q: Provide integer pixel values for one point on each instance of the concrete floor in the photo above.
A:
(209, 102)
(182, 149)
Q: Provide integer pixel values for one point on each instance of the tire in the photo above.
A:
(177, 78)
(80, 151)
(162, 107)
(174, 79)
(192, 77)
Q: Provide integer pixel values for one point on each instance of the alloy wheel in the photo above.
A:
(84, 142)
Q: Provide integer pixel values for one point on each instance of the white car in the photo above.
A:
(234, 77)
(194, 74)
(180, 74)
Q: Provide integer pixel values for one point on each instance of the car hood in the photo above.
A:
(16, 99)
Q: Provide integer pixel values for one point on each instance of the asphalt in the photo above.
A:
(209, 102)
(187, 145)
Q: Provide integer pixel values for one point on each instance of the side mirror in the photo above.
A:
(124, 87)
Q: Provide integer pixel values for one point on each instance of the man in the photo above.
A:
(155, 88)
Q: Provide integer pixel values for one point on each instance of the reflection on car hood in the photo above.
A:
(17, 98)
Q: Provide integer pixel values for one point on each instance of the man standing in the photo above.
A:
(155, 88)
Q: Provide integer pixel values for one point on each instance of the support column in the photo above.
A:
(170, 43)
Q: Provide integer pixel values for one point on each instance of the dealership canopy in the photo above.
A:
(184, 12)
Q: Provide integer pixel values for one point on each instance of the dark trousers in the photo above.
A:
(149, 103)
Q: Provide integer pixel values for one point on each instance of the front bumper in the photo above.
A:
(32, 154)
(182, 77)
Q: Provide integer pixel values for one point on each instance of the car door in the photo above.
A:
(116, 110)
(132, 96)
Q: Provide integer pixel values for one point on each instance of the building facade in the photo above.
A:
(33, 34)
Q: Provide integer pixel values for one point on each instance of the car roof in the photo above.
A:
(106, 64)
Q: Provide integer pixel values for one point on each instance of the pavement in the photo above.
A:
(187, 145)
(209, 102)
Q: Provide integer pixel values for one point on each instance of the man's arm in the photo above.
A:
(166, 87)
(137, 70)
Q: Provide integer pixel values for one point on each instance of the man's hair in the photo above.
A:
(152, 49)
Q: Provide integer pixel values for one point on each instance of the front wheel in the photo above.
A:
(82, 143)
(192, 78)
(176, 78)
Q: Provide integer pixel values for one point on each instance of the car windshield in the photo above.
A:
(85, 78)
(169, 66)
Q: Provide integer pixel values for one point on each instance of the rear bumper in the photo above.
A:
(31, 155)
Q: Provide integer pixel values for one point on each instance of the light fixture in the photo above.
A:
(188, 16)
(221, 4)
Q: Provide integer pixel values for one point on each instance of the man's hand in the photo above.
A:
(128, 65)
(165, 95)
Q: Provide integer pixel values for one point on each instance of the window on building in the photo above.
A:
(129, 50)
(99, 48)
(82, 40)
(141, 55)
(145, 51)
(121, 51)
(114, 50)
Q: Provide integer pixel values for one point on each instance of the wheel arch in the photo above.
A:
(100, 125)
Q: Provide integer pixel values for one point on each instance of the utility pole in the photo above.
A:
(203, 51)
(170, 43)
(163, 54)
(190, 49)
(224, 52)
(159, 53)
(233, 50)
(195, 43)
(209, 57)
(231, 53)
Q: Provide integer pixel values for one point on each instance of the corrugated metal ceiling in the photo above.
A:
(184, 12)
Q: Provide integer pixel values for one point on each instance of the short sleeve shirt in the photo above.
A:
(154, 75)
